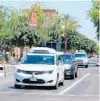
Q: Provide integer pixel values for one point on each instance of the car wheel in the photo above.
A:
(57, 83)
(86, 66)
(73, 76)
(62, 82)
(17, 86)
(76, 74)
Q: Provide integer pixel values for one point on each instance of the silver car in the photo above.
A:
(81, 58)
(70, 66)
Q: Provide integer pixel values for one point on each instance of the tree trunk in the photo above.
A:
(65, 42)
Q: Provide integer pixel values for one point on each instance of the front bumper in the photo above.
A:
(82, 63)
(68, 72)
(37, 80)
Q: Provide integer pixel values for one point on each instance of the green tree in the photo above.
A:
(5, 23)
(77, 41)
(68, 24)
(27, 37)
(94, 13)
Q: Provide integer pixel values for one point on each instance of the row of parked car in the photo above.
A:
(44, 66)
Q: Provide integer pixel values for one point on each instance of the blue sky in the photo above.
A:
(76, 8)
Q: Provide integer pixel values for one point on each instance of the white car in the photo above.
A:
(82, 59)
(39, 70)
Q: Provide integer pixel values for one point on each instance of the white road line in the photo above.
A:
(74, 84)
(26, 93)
(97, 75)
(23, 93)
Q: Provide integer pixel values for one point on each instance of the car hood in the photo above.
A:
(33, 67)
(67, 66)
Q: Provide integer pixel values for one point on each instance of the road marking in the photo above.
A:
(74, 84)
(97, 75)
(95, 97)
(23, 93)
(82, 95)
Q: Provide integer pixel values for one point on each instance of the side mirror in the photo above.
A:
(18, 62)
(58, 62)
(74, 61)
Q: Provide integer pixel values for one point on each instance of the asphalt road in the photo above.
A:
(84, 88)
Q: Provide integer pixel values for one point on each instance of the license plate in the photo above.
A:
(67, 73)
(33, 79)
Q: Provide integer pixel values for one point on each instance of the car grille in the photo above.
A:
(35, 72)
(79, 61)
(39, 81)
(67, 71)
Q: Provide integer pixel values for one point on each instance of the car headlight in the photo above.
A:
(50, 72)
(19, 71)
(47, 72)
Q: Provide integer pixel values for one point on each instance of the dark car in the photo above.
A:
(70, 66)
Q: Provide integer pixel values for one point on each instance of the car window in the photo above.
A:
(67, 59)
(39, 59)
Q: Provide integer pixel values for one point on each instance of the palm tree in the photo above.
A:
(69, 24)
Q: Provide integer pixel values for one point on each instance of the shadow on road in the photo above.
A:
(33, 87)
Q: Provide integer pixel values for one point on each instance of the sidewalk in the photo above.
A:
(10, 63)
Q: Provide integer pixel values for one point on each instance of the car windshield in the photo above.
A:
(39, 59)
(67, 59)
(80, 55)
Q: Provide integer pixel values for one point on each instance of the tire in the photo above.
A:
(62, 82)
(86, 66)
(73, 76)
(17, 86)
(76, 74)
(57, 83)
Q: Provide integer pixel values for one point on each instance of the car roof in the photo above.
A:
(49, 50)
(80, 53)
(60, 53)
(68, 53)
(31, 54)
